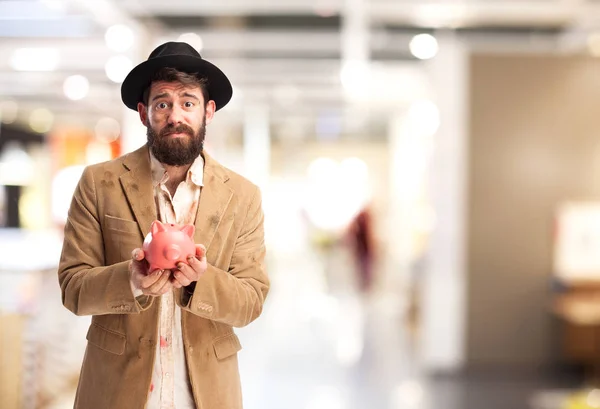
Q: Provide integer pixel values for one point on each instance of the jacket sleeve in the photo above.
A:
(88, 287)
(235, 297)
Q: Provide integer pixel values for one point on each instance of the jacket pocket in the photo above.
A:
(106, 340)
(121, 236)
(121, 225)
(226, 346)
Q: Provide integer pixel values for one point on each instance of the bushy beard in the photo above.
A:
(176, 151)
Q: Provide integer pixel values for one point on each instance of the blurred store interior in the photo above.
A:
(431, 182)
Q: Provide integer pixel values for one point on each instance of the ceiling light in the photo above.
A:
(424, 46)
(119, 37)
(192, 39)
(35, 59)
(14, 157)
(41, 120)
(76, 87)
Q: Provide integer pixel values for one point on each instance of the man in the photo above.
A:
(164, 339)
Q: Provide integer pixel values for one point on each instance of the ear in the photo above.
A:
(189, 229)
(143, 112)
(157, 227)
(210, 111)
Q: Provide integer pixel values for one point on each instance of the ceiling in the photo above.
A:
(285, 56)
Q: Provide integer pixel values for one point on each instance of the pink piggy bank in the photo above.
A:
(168, 244)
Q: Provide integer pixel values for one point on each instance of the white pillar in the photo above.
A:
(133, 132)
(408, 149)
(355, 31)
(355, 50)
(257, 144)
(443, 292)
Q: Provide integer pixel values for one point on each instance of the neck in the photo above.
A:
(176, 173)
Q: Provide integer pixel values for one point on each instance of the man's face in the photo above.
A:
(176, 117)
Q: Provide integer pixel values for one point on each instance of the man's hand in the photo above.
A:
(185, 274)
(155, 283)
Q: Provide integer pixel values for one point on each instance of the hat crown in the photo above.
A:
(174, 48)
(182, 57)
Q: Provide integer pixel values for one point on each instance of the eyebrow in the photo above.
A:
(165, 94)
(187, 94)
(154, 98)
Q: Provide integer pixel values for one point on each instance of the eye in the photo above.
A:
(188, 104)
(161, 105)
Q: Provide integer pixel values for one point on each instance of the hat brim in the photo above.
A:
(136, 82)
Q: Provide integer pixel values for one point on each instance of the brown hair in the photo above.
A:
(173, 75)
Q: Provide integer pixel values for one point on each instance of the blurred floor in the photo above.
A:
(324, 346)
(321, 345)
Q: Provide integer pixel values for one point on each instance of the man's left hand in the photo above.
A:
(185, 274)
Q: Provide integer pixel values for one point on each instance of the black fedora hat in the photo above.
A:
(182, 57)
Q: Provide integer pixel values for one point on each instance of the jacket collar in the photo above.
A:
(214, 198)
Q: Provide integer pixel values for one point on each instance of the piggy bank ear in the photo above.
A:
(189, 229)
(157, 227)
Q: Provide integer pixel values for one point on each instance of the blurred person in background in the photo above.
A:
(164, 339)
(362, 244)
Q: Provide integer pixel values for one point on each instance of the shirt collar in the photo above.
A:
(195, 173)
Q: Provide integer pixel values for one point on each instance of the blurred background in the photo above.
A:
(431, 182)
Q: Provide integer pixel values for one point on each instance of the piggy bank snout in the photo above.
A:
(166, 245)
(172, 252)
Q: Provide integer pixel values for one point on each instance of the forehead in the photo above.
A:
(174, 89)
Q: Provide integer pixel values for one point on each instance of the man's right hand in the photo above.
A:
(154, 283)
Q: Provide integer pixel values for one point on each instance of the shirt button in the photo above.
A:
(168, 375)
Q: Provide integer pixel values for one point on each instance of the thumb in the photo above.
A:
(137, 254)
(200, 251)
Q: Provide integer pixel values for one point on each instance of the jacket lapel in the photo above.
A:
(137, 186)
(214, 199)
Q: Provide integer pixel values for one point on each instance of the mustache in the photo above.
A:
(181, 128)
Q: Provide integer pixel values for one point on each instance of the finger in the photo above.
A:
(181, 278)
(175, 283)
(200, 251)
(186, 270)
(166, 289)
(159, 283)
(167, 286)
(198, 266)
(194, 262)
(137, 254)
(159, 286)
(151, 278)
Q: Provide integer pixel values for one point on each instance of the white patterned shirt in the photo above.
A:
(170, 387)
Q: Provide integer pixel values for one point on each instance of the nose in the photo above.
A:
(176, 115)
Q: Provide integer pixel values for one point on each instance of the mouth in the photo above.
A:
(176, 135)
